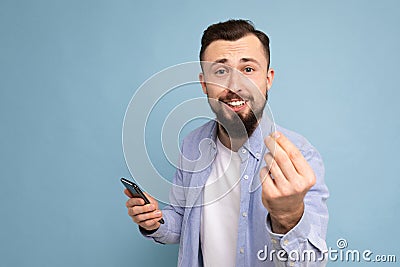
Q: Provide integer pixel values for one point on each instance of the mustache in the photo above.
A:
(231, 96)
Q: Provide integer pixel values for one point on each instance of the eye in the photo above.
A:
(221, 72)
(248, 69)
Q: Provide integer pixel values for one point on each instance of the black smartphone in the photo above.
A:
(137, 192)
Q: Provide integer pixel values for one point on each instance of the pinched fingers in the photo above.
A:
(279, 185)
(274, 170)
(281, 158)
(290, 159)
(268, 184)
(294, 155)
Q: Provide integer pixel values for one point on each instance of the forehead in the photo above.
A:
(248, 46)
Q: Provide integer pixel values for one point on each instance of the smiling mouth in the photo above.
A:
(235, 104)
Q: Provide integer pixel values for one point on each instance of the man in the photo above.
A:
(262, 199)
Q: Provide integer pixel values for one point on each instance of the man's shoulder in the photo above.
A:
(305, 147)
(207, 130)
(198, 140)
(297, 139)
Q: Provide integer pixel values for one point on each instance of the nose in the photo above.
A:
(235, 81)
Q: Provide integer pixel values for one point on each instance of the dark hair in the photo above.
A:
(232, 30)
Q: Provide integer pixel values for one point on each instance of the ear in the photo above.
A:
(202, 82)
(270, 78)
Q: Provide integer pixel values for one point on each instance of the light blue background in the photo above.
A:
(69, 68)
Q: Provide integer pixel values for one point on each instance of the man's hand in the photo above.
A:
(292, 177)
(146, 216)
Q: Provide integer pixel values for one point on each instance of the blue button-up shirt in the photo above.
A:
(257, 245)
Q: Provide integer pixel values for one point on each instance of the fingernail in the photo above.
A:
(157, 212)
(275, 135)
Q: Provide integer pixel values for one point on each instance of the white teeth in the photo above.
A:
(236, 103)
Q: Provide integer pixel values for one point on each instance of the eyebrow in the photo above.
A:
(219, 61)
(250, 60)
(242, 60)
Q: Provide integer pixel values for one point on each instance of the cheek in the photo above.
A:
(263, 85)
(260, 85)
(214, 91)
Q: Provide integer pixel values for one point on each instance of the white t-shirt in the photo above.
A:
(220, 214)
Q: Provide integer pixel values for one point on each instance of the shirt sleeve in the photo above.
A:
(167, 233)
(305, 245)
(170, 231)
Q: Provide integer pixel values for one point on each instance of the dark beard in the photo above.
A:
(239, 125)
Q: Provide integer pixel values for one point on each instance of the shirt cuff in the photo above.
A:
(303, 232)
(157, 235)
(275, 238)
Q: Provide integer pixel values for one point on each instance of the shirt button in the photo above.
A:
(273, 241)
(257, 155)
(241, 250)
(246, 177)
(244, 214)
(291, 263)
(285, 242)
(243, 150)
